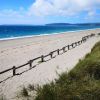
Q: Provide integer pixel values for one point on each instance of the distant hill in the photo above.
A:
(56, 24)
(64, 24)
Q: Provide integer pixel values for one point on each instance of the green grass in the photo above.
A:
(81, 83)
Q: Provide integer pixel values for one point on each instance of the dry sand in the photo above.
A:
(19, 51)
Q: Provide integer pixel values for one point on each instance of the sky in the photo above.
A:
(39, 12)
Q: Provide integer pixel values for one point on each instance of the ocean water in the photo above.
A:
(17, 31)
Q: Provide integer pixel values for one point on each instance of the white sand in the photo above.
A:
(19, 51)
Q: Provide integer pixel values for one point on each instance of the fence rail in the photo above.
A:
(64, 49)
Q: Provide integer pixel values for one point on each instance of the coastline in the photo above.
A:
(18, 51)
(30, 36)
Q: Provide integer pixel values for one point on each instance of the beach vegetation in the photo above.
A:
(31, 87)
(24, 92)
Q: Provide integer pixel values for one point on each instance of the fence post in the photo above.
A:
(42, 58)
(58, 51)
(51, 55)
(75, 44)
(64, 49)
(81, 41)
(85, 39)
(30, 63)
(68, 47)
(14, 70)
(72, 45)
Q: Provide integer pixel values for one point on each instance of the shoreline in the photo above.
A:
(30, 36)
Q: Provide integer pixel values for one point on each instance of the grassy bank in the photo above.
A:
(81, 83)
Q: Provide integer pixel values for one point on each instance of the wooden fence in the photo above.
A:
(42, 57)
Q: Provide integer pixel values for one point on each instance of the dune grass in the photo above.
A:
(81, 83)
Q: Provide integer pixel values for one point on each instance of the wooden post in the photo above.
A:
(75, 44)
(64, 49)
(14, 70)
(58, 51)
(78, 43)
(30, 63)
(85, 39)
(42, 58)
(68, 47)
(51, 55)
(81, 41)
(72, 45)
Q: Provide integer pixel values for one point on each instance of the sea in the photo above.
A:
(22, 31)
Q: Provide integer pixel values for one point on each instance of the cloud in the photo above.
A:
(44, 11)
(63, 7)
(10, 16)
(41, 6)
(12, 13)
(91, 13)
(55, 8)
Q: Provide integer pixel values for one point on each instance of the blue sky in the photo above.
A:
(49, 11)
(15, 4)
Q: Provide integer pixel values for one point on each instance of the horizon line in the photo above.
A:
(52, 23)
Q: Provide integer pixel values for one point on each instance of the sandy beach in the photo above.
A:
(19, 51)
